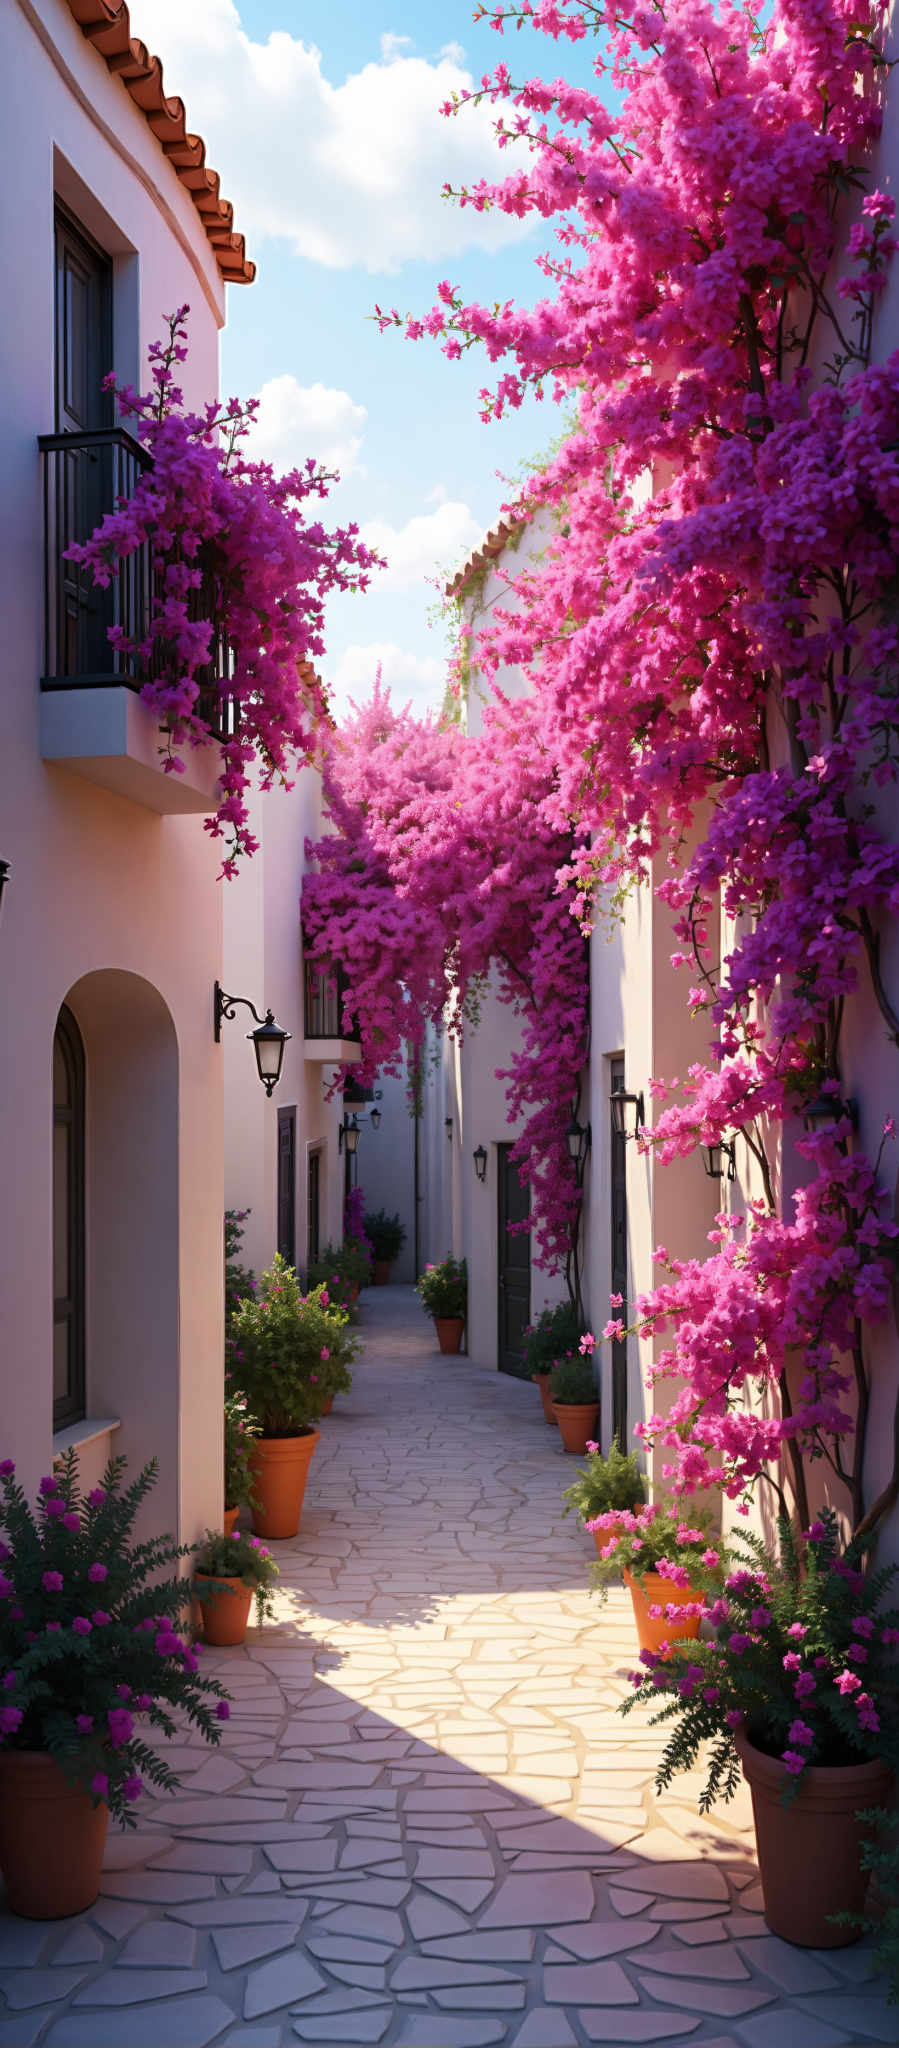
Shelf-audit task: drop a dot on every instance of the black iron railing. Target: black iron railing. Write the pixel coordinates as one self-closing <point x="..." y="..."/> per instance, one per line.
<point x="323" y="1003"/>
<point x="84" y="477"/>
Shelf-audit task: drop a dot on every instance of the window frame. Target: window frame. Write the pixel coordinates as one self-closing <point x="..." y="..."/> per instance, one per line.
<point x="71" y="1407"/>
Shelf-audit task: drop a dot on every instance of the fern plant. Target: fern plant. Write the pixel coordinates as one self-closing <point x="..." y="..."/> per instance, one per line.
<point x="90" y="1649"/>
<point x="605" y="1483"/>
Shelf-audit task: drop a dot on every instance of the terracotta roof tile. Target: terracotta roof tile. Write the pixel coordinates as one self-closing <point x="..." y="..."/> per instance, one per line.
<point x="106" y="24"/>
<point x="487" y="551"/>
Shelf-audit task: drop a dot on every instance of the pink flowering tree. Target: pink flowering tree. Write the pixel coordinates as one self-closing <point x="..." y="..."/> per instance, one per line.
<point x="241" y="566"/>
<point x="714" y="666"/>
<point x="443" y="864"/>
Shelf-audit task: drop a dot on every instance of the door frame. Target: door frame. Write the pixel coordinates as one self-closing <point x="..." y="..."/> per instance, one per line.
<point x="287" y="1121"/>
<point x="502" y="1151"/>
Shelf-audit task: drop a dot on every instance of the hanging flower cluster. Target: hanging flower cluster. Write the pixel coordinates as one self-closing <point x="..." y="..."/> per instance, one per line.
<point x="714" y="660"/>
<point x="443" y="866"/>
<point x="240" y="568"/>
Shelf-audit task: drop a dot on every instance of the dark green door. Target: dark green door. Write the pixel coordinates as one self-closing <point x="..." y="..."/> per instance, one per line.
<point x="514" y="1260"/>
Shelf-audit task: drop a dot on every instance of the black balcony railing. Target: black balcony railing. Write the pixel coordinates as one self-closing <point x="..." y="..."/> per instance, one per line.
<point x="323" y="1005"/>
<point x="85" y="476"/>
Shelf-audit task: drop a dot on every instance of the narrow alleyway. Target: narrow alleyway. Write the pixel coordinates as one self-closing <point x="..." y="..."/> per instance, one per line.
<point x="427" y="1824"/>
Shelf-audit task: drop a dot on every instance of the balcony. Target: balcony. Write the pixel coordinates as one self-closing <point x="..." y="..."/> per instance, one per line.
<point x="92" y="720"/>
<point x="325" y="1038"/>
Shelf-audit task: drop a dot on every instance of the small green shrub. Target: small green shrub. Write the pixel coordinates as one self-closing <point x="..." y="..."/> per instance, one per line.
<point x="604" y="1483"/>
<point x="386" y="1234"/>
<point x="239" y="1279"/>
<point x="238" y="1557"/>
<point x="288" y="1349"/>
<point x="554" y="1336"/>
<point x="572" y="1383"/>
<point x="444" y="1288"/>
<point x="240" y="1429"/>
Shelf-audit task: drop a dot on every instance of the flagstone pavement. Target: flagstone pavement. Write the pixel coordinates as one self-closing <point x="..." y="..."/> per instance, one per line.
<point x="427" y="1824"/>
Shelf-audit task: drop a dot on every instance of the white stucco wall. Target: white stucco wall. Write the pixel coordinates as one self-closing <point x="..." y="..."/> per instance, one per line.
<point x="109" y="906"/>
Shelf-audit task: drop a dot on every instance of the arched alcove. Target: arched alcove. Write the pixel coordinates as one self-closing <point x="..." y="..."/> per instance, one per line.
<point x="131" y="1217"/>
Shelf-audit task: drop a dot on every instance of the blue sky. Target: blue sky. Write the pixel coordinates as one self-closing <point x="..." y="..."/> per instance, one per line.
<point x="323" y="120"/>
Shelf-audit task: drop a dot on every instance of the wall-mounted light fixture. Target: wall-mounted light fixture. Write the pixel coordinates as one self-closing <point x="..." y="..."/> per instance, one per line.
<point x="479" y="1156"/>
<point x="620" y="1101"/>
<point x="348" y="1134"/>
<point x="4" y="876"/>
<point x="721" y="1160"/>
<point x="375" y="1119"/>
<point x="448" y="1127"/>
<point x="268" y="1039"/>
<point x="828" y="1109"/>
<point x="578" y="1138"/>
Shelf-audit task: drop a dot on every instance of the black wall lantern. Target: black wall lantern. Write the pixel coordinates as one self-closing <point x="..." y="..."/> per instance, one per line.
<point x="268" y="1039"/>
<point x="578" y="1138"/>
<point x="620" y="1101"/>
<point x="448" y="1127"/>
<point x="826" y="1110"/>
<point x="721" y="1160"/>
<point x="375" y="1119"/>
<point x="479" y="1156"/>
<point x="4" y="872"/>
<point x="348" y="1134"/>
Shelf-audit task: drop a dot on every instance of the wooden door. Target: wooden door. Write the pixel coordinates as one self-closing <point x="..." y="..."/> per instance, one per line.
<point x="619" y="1262"/>
<point x="287" y="1183"/>
<point x="313" y="1207"/>
<point x="514" y="1263"/>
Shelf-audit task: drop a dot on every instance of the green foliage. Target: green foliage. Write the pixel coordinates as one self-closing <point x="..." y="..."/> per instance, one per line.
<point x="642" y="1539"/>
<point x="554" y="1336"/>
<point x="240" y="1429"/>
<point x="572" y="1382"/>
<point x="386" y="1234"/>
<point x="89" y="1642"/>
<point x="880" y="1855"/>
<point x="444" y="1288"/>
<point x="238" y="1557"/>
<point x="340" y="1268"/>
<point x="784" y="1659"/>
<point x="291" y="1350"/>
<point x="603" y="1483"/>
<point x="239" y="1279"/>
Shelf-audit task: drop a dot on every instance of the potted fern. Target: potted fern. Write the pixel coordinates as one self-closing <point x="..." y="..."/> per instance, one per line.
<point x="554" y="1336"/>
<point x="387" y="1236"/>
<point x="93" y="1653"/>
<point x="603" y="1484"/>
<point x="444" y="1293"/>
<point x="799" y="1690"/>
<point x="229" y="1573"/>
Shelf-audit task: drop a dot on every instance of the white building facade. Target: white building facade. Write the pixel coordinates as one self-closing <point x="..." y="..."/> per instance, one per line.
<point x="111" y="1091"/>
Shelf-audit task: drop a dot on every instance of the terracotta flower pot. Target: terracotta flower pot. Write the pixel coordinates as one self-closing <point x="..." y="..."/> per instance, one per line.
<point x="541" y="1382"/>
<point x="229" y="1520"/>
<point x="382" y="1271"/>
<point x="577" y="1424"/>
<point x="52" y="1838"/>
<point x="354" y="1292"/>
<point x="225" y="1614"/>
<point x="328" y="1405"/>
<point x="810" y="1851"/>
<point x="280" y="1468"/>
<point x="654" y="1591"/>
<point x="449" y="1332"/>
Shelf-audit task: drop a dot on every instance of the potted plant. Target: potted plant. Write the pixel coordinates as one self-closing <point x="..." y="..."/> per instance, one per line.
<point x="239" y="1279"/>
<point x="799" y="1690"/>
<point x="554" y="1336"/>
<point x="240" y="1430"/>
<point x="387" y="1236"/>
<point x="282" y="1340"/>
<point x="230" y="1571"/>
<point x="602" y="1484"/>
<point x="444" y="1292"/>
<point x="667" y="1566"/>
<point x="575" y="1402"/>
<point x="89" y="1650"/>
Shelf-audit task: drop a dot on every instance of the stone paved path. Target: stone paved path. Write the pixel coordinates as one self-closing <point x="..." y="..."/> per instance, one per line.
<point x="427" y="1825"/>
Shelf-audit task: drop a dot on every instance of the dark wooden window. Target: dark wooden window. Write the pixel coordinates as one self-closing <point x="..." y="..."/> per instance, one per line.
<point x="619" y="1261"/>
<point x="514" y="1262"/>
<point x="313" y="1207"/>
<point x="83" y="481"/>
<point x="68" y="1222"/>
<point x="287" y="1184"/>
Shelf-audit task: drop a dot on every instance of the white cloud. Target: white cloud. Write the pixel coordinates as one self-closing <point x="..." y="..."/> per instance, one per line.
<point x="454" y="52"/>
<point x="299" y="420"/>
<point x="393" y="46"/>
<point x="432" y="540"/>
<point x="412" y="678"/>
<point x="347" y="174"/>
